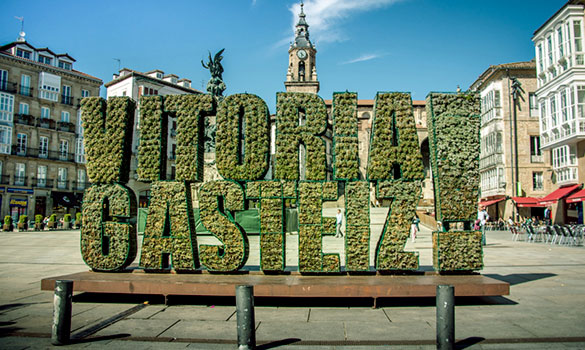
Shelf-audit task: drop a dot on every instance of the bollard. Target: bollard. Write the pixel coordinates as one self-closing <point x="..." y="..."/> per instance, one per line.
<point x="245" y="317"/>
<point x="445" y="317"/>
<point x="62" y="312"/>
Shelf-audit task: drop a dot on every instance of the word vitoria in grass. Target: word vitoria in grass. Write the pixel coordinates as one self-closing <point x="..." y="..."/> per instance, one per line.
<point x="297" y="173"/>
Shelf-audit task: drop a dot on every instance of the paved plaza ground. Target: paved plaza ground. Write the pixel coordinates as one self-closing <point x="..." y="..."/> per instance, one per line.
<point x="545" y="308"/>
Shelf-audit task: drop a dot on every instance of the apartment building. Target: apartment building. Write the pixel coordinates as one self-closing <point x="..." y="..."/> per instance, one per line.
<point x="42" y="159"/>
<point x="560" y="68"/>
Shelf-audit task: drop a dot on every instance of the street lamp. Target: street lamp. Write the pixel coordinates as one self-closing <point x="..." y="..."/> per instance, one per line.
<point x="516" y="91"/>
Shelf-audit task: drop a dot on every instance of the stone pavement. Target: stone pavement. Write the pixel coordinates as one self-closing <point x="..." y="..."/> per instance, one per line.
<point x="545" y="308"/>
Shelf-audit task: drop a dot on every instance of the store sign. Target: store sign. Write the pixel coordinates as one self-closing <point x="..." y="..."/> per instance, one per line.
<point x="18" y="202"/>
<point x="394" y="169"/>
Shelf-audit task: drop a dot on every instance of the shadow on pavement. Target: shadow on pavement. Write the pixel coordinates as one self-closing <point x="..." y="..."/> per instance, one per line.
<point x="101" y="338"/>
<point x="278" y="343"/>
<point x="467" y="342"/>
<point x="518" y="278"/>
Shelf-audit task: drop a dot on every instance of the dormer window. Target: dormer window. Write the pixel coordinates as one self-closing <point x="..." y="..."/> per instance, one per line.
<point x="159" y="75"/>
<point x="65" y="65"/>
<point x="23" y="53"/>
<point x="45" y="59"/>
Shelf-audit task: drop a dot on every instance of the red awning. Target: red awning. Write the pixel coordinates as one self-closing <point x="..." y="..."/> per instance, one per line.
<point x="491" y="201"/>
<point x="558" y="194"/>
<point x="578" y="196"/>
<point x="527" y="202"/>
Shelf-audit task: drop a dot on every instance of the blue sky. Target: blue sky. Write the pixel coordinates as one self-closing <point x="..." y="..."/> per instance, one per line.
<point x="363" y="45"/>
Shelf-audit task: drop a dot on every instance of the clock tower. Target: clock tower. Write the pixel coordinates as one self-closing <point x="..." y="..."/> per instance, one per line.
<point x="302" y="71"/>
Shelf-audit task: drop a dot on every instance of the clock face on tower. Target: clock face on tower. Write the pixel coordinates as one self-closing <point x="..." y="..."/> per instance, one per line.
<point x="302" y="54"/>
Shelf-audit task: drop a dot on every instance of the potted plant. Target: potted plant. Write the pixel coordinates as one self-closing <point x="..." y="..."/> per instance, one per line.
<point x="52" y="222"/>
<point x="78" y="220"/>
<point x="7" y="223"/>
<point x="38" y="222"/>
<point x="23" y="223"/>
<point x="66" y="221"/>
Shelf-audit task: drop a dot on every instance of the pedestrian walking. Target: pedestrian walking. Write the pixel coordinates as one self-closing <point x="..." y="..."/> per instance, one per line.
<point x="339" y="221"/>
<point x="483" y="217"/>
<point x="414" y="228"/>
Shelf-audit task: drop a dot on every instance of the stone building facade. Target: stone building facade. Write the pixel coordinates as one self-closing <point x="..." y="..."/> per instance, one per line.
<point x="42" y="159"/>
<point x="506" y="172"/>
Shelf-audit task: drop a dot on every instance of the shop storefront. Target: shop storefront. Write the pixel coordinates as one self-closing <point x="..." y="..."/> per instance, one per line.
<point x="18" y="202"/>
<point x="563" y="212"/>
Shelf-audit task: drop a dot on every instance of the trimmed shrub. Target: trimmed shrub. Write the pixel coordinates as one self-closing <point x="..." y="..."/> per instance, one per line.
<point x="312" y="227"/>
<point x="357" y="226"/>
<point x="457" y="251"/>
<point x="291" y="107"/>
<point x="345" y="131"/>
<point x="108" y="138"/>
<point x="390" y="254"/>
<point x="170" y="229"/>
<point x="394" y="151"/>
<point x="217" y="201"/>
<point x="190" y="111"/>
<point x="108" y="238"/>
<point x="242" y="137"/>
<point x="152" y="150"/>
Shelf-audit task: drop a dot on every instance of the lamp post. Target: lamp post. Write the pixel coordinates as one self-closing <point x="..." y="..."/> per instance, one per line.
<point x="516" y="91"/>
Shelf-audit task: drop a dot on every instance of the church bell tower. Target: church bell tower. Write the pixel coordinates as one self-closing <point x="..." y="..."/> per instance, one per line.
<point x="302" y="72"/>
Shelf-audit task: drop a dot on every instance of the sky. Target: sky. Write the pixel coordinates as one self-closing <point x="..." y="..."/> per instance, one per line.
<point x="364" y="46"/>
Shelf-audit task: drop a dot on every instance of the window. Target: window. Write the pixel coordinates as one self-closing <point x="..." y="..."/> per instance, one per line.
<point x="6" y="107"/>
<point x="580" y="102"/>
<point x="20" y="174"/>
<point x="560" y="42"/>
<point x="553" y="111"/>
<point x="543" y="116"/>
<point x="84" y="93"/>
<point x="80" y="179"/>
<point x="49" y="86"/>
<point x="535" y="152"/>
<point x="23" y="108"/>
<point x="149" y="91"/>
<point x="578" y="42"/>
<point x="45" y="59"/>
<point x="25" y="88"/>
<point x="65" y="117"/>
<point x="80" y="152"/>
<point x="66" y="95"/>
<point x="5" y="139"/>
<point x="65" y="65"/>
<point x="21" y="141"/>
<point x="42" y="175"/>
<point x="540" y="59"/>
<point x="62" y="178"/>
<point x="537" y="181"/>
<point x="564" y="112"/>
<point x="45" y="113"/>
<point x="550" y="50"/>
<point x="43" y="147"/>
<point x="49" y="93"/>
<point x="63" y="149"/>
<point x="533" y="104"/>
<point x="79" y="125"/>
<point x="3" y="80"/>
<point x="23" y="53"/>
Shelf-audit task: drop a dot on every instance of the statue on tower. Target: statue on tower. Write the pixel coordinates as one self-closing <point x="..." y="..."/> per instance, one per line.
<point x="215" y="86"/>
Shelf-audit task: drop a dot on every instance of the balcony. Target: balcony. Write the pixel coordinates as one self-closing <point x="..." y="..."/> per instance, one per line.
<point x="536" y="158"/>
<point x="566" y="175"/>
<point x="46" y="123"/>
<point x="491" y="160"/>
<point x="24" y="119"/>
<point x="80" y="186"/>
<point x="67" y="100"/>
<point x="5" y="179"/>
<point x="6" y="86"/>
<point x="42" y="154"/>
<point x="62" y="184"/>
<point x="25" y="90"/>
<point x="42" y="182"/>
<point x="567" y="132"/>
<point x="19" y="180"/>
<point x="66" y="126"/>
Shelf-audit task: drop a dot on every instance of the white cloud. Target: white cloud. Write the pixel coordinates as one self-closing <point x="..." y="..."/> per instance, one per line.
<point x="325" y="16"/>
<point x="362" y="58"/>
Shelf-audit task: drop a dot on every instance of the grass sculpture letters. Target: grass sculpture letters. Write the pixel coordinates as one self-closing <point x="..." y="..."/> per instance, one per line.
<point x="395" y="169"/>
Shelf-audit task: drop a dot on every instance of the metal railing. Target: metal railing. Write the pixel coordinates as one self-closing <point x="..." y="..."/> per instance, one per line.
<point x="42" y="182"/>
<point x="42" y="153"/>
<point x="7" y="86"/>
<point x="25" y="90"/>
<point x="67" y="100"/>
